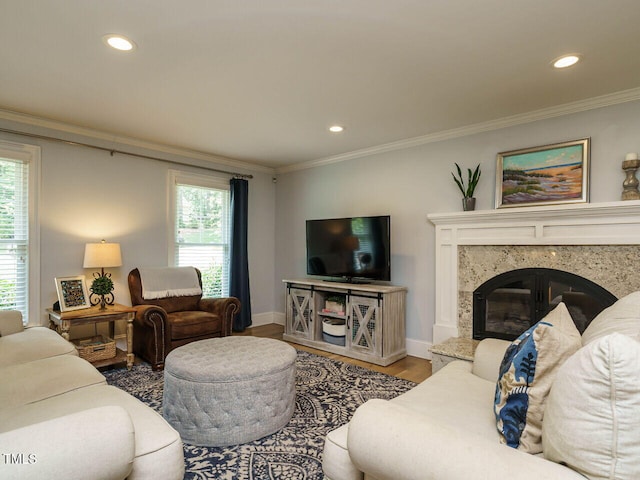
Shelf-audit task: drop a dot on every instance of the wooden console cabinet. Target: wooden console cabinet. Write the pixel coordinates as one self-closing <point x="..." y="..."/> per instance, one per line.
<point x="373" y="317"/>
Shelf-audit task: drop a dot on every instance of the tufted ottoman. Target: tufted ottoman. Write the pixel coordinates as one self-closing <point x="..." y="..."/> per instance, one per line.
<point x="230" y="390"/>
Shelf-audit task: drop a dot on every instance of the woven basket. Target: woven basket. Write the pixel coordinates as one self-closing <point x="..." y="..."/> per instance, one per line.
<point x="96" y="348"/>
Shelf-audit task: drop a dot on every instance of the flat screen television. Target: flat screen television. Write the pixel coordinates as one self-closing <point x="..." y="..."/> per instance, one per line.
<point x="351" y="248"/>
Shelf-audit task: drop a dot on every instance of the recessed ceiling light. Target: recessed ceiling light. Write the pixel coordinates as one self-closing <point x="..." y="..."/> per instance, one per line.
<point x="336" y="129"/>
<point x="566" y="60"/>
<point x="119" y="42"/>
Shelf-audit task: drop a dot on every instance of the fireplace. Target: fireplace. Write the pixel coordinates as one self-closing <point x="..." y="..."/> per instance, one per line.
<point x="600" y="242"/>
<point x="509" y="303"/>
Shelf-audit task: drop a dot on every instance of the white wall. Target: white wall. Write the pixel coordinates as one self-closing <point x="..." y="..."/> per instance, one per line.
<point x="408" y="184"/>
<point x="88" y="195"/>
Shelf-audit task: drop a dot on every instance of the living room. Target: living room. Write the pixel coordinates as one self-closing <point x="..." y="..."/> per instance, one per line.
<point x="90" y="186"/>
<point x="86" y="194"/>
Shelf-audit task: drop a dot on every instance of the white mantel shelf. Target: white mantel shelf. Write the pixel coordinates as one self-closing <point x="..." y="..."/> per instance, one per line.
<point x="612" y="223"/>
<point x="627" y="208"/>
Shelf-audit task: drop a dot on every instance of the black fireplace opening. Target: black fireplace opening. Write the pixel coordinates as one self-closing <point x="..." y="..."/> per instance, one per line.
<point x="508" y="304"/>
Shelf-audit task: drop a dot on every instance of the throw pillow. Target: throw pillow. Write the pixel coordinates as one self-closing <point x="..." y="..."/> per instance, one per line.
<point x="526" y="374"/>
<point x="622" y="317"/>
<point x="591" y="421"/>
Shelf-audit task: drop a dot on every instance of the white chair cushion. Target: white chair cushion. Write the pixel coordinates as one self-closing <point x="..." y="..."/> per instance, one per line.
<point x="526" y="375"/>
<point x="591" y="418"/>
<point x="622" y="317"/>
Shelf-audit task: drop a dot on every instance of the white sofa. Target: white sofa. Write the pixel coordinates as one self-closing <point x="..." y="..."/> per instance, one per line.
<point x="445" y="427"/>
<point x="60" y="420"/>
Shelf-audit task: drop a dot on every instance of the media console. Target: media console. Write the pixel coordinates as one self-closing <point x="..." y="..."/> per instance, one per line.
<point x="372" y="318"/>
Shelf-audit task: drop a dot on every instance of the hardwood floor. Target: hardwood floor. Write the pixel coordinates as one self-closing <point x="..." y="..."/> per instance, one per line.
<point x="409" y="368"/>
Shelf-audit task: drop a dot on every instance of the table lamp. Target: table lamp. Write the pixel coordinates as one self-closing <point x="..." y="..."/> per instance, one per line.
<point x="102" y="255"/>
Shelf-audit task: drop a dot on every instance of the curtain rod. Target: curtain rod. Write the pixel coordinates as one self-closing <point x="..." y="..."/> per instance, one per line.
<point x="113" y="151"/>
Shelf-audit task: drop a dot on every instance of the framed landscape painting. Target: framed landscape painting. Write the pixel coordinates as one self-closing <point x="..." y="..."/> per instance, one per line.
<point x="550" y="174"/>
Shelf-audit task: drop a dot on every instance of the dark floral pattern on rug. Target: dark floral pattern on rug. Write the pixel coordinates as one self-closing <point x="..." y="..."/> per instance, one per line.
<point x="327" y="394"/>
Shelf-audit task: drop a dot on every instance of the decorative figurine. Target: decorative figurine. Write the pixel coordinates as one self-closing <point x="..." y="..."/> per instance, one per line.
<point x="630" y="165"/>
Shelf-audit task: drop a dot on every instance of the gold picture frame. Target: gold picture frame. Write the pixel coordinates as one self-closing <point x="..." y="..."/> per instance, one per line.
<point x="545" y="175"/>
<point x="72" y="293"/>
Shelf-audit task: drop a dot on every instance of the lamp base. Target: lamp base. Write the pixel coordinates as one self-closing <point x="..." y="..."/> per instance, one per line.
<point x="102" y="300"/>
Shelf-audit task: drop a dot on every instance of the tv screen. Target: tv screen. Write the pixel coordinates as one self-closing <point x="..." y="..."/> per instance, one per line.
<point x="350" y="248"/>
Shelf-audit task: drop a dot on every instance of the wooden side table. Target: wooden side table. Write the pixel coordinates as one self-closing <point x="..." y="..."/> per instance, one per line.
<point x="63" y="321"/>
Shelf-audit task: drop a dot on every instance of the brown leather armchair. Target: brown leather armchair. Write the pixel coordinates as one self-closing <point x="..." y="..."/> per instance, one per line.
<point x="163" y="324"/>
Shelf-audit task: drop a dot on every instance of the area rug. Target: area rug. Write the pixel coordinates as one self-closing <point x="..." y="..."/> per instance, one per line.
<point x="327" y="394"/>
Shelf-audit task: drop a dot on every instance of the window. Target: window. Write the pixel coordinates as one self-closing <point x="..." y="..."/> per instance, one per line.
<point x="200" y="229"/>
<point x="19" y="268"/>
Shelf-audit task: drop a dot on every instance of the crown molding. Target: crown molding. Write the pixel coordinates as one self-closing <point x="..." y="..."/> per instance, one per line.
<point x="59" y="126"/>
<point x="534" y="116"/>
<point x="543" y="114"/>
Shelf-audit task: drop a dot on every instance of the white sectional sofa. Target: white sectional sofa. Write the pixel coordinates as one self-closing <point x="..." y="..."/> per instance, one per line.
<point x="445" y="427"/>
<point x="60" y="420"/>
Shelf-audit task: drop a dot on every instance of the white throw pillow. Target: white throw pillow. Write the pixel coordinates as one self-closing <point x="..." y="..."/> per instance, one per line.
<point x="526" y="375"/>
<point x="622" y="317"/>
<point x="592" y="416"/>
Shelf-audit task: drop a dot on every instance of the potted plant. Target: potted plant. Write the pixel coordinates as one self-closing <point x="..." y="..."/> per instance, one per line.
<point x="102" y="286"/>
<point x="468" y="200"/>
<point x="335" y="304"/>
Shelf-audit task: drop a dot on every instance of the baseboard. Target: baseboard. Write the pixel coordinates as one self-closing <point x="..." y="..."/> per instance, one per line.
<point x="419" y="348"/>
<point x="266" y="318"/>
<point x="279" y="318"/>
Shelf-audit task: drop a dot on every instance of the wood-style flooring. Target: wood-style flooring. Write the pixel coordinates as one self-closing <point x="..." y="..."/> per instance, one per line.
<point x="409" y="368"/>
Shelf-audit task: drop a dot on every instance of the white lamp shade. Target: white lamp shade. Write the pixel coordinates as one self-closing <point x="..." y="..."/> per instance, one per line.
<point x="102" y="255"/>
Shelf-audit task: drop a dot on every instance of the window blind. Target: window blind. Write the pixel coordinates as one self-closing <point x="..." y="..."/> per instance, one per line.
<point x="202" y="234"/>
<point x="14" y="235"/>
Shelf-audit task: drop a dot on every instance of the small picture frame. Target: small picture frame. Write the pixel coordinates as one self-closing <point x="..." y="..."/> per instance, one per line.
<point x="72" y="293"/>
<point x="550" y="174"/>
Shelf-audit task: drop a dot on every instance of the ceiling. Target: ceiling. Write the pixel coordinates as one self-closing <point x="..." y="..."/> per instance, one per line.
<point x="261" y="81"/>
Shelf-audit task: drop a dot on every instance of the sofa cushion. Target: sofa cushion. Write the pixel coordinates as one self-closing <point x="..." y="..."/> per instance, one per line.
<point x="622" y="317"/>
<point x="591" y="419"/>
<point x="526" y="374"/>
<point x="34" y="381"/>
<point x="10" y="322"/>
<point x="98" y="443"/>
<point x="158" y="448"/>
<point x="455" y="397"/>
<point x="488" y="357"/>
<point x="336" y="462"/>
<point x="33" y="344"/>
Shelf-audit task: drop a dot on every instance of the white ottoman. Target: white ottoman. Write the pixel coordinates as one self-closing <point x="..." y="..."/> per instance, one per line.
<point x="230" y="390"/>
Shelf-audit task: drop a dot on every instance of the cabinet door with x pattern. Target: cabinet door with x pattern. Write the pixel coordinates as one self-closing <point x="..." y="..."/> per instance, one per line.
<point x="300" y="313"/>
<point x="365" y="324"/>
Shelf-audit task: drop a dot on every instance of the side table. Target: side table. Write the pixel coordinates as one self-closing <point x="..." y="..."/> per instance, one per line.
<point x="63" y="321"/>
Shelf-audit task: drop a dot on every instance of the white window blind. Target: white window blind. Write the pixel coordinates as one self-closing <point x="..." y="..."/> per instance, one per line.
<point x="14" y="235"/>
<point x="201" y="230"/>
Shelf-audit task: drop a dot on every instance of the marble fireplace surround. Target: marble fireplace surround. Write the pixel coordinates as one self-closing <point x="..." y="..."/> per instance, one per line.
<point x="599" y="241"/>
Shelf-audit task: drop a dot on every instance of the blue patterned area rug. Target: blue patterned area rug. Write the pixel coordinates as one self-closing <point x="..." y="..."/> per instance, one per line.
<point x="327" y="394"/>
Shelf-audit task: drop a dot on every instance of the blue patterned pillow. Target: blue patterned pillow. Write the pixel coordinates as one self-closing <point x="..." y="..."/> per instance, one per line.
<point x="526" y="374"/>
